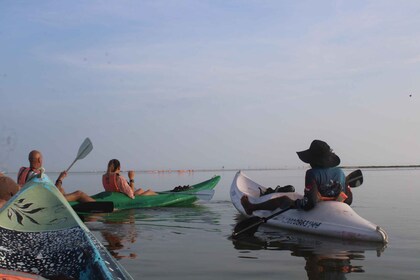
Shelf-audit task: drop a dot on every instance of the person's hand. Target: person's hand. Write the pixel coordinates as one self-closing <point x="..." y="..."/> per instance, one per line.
<point x="62" y="176"/>
<point x="131" y="174"/>
<point x="296" y="204"/>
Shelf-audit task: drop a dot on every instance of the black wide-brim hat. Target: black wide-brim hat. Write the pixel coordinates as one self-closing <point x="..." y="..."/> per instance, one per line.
<point x="319" y="154"/>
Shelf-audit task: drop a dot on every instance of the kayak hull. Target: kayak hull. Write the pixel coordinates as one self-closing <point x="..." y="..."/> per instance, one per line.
<point x="164" y="199"/>
<point x="329" y="218"/>
<point x="41" y="234"/>
<point x="16" y="275"/>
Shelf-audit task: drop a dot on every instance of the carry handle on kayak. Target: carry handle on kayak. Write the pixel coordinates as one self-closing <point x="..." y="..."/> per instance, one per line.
<point x="250" y="225"/>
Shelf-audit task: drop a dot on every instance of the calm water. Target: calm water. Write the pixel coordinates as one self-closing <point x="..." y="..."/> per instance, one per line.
<point x="193" y="242"/>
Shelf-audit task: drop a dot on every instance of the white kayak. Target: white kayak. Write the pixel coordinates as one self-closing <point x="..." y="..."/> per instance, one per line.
<point x="329" y="218"/>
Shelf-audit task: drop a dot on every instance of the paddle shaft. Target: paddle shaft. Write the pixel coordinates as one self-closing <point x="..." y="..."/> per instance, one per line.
<point x="261" y="221"/>
<point x="67" y="170"/>
<point x="94" y="207"/>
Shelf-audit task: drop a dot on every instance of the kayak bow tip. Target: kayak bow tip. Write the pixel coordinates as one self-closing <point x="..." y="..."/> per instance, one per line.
<point x="383" y="234"/>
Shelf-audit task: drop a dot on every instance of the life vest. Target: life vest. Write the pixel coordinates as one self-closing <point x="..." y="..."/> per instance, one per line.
<point x="23" y="174"/>
<point x="341" y="197"/>
<point x="333" y="193"/>
<point x="110" y="183"/>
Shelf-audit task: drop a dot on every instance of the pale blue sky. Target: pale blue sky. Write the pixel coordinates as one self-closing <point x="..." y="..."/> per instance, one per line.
<point x="206" y="84"/>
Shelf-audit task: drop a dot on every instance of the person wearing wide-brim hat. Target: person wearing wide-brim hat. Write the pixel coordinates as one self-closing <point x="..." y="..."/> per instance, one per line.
<point x="324" y="181"/>
<point x="319" y="155"/>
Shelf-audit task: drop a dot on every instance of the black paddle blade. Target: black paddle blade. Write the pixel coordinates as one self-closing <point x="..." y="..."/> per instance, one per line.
<point x="248" y="226"/>
<point x="354" y="179"/>
<point x="94" y="207"/>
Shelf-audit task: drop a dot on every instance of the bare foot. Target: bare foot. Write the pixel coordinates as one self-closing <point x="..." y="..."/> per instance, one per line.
<point x="248" y="206"/>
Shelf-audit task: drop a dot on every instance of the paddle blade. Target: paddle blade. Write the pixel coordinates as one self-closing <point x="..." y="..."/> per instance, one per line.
<point x="354" y="179"/>
<point x="248" y="226"/>
<point x="94" y="207"/>
<point x="205" y="195"/>
<point x="84" y="149"/>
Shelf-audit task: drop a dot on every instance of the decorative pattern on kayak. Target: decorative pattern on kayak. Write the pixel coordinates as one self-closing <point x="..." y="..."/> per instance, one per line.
<point x="21" y="210"/>
<point x="300" y="222"/>
<point x="65" y="253"/>
<point x="42" y="235"/>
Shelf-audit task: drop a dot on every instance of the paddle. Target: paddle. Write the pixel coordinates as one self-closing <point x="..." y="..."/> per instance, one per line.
<point x="250" y="225"/>
<point x="94" y="207"/>
<point x="205" y="195"/>
<point x="84" y="150"/>
<point x="354" y="179"/>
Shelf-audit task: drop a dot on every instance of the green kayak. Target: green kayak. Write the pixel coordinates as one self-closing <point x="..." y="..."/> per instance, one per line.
<point x="203" y="190"/>
<point x="42" y="235"/>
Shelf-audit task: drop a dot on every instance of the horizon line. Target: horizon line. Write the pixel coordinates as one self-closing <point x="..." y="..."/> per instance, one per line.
<point x="247" y="169"/>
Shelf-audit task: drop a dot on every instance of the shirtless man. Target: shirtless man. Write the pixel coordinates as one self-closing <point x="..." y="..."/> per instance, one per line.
<point x="35" y="163"/>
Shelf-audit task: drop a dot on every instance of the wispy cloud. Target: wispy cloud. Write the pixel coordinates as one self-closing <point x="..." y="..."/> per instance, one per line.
<point x="279" y="67"/>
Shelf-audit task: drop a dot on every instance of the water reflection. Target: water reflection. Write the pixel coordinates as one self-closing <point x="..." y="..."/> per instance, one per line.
<point x="118" y="229"/>
<point x="325" y="258"/>
<point x="124" y="231"/>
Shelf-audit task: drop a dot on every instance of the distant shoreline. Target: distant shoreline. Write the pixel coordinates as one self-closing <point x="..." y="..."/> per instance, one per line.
<point x="187" y="171"/>
<point x="383" y="166"/>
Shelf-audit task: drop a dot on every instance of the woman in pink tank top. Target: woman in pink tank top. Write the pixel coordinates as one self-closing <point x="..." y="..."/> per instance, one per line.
<point x="112" y="180"/>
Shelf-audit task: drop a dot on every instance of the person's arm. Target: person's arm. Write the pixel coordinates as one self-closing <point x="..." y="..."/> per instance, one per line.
<point x="125" y="187"/>
<point x="311" y="196"/>
<point x="311" y="193"/>
<point x="59" y="182"/>
<point x="131" y="175"/>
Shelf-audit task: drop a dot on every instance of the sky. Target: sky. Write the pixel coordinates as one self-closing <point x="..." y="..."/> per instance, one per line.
<point x="206" y="84"/>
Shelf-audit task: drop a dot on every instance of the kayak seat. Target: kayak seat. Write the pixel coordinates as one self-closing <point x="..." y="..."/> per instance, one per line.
<point x="278" y="189"/>
<point x="182" y="188"/>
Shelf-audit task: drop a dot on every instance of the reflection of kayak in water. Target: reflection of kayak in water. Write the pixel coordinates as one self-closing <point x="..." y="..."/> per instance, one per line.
<point x="41" y="234"/>
<point x="329" y="218"/>
<point x="116" y="244"/>
<point x="325" y="258"/>
<point x="301" y="242"/>
<point x="118" y="230"/>
<point x="124" y="233"/>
